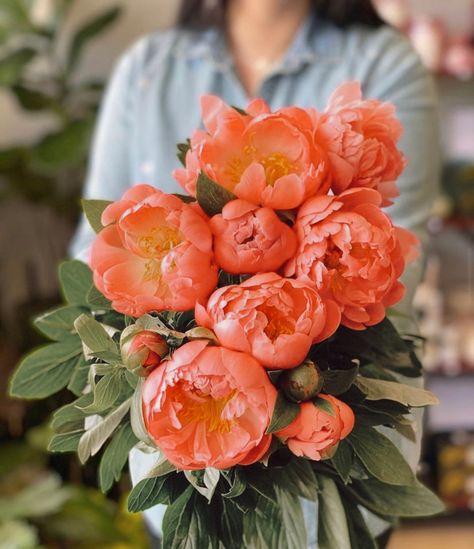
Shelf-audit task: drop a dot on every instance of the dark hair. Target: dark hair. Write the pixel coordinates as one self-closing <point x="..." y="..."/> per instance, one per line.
<point x="197" y="13"/>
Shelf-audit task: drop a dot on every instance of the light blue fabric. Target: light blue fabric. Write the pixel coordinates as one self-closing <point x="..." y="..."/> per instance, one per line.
<point x="152" y="103"/>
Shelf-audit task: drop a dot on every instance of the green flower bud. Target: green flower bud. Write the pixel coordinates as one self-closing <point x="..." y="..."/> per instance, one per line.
<point x="303" y="382"/>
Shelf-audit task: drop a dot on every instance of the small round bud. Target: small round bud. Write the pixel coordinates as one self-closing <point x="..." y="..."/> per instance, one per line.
<point x="142" y="351"/>
<point x="303" y="382"/>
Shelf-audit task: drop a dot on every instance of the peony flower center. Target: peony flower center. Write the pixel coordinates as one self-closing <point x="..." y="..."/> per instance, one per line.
<point x="202" y="408"/>
<point x="152" y="270"/>
<point x="276" y="165"/>
<point x="156" y="245"/>
<point x="160" y="240"/>
<point x="333" y="258"/>
<point x="277" y="324"/>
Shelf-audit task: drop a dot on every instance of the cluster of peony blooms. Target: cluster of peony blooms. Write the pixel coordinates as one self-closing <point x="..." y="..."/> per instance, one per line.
<point x="302" y="231"/>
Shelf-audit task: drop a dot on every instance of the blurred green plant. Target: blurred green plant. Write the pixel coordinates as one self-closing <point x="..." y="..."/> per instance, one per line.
<point x="38" y="510"/>
<point x="41" y="72"/>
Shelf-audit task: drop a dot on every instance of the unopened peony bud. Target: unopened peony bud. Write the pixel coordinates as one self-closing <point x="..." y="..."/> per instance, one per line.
<point x="303" y="382"/>
<point x="143" y="351"/>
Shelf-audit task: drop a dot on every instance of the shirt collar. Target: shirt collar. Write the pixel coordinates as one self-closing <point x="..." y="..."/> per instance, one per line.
<point x="211" y="45"/>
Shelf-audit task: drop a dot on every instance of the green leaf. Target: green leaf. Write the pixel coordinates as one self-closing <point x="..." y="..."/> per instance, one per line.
<point x="211" y="196"/>
<point x="185" y="198"/>
<point x="399" y="501"/>
<point x="337" y="382"/>
<point x="205" y="481"/>
<point x="277" y="523"/>
<point x="136" y="416"/>
<point x="406" y="431"/>
<point x="380" y="456"/>
<point x="80" y="376"/>
<point x="70" y="417"/>
<point x="342" y="460"/>
<point x="378" y="389"/>
<point x="380" y="344"/>
<point x="299" y="478"/>
<point x="65" y="442"/>
<point x="94" y="438"/>
<point x="236" y="482"/>
<point x="239" y="110"/>
<point x="333" y="530"/>
<point x="40" y="497"/>
<point x="360" y="535"/>
<point x="115" y="457"/>
<point x="152" y="491"/>
<point x="98" y="301"/>
<point x="87" y="32"/>
<point x="32" y="100"/>
<point x="58" y="323"/>
<point x="76" y="281"/>
<point x="230" y="523"/>
<point x="12" y="65"/>
<point x="188" y="523"/>
<point x="183" y="148"/>
<point x="46" y="370"/>
<point x="262" y="483"/>
<point x="64" y="149"/>
<point x="161" y="468"/>
<point x="106" y="392"/>
<point x="94" y="336"/>
<point x="324" y="405"/>
<point x="284" y="413"/>
<point x="93" y="210"/>
<point x="16" y="13"/>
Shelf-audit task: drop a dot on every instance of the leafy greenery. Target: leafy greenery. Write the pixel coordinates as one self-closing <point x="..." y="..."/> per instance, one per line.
<point x="284" y="413"/>
<point x="259" y="504"/>
<point x="211" y="196"/>
<point x="93" y="210"/>
<point x="39" y="170"/>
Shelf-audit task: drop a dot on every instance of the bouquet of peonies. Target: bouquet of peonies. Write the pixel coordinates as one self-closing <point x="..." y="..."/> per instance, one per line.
<point x="239" y="332"/>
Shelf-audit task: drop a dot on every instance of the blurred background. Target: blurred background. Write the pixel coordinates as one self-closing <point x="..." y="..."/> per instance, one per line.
<point x="55" y="56"/>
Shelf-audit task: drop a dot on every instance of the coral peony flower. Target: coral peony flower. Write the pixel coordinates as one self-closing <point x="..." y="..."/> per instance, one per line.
<point x="142" y="350"/>
<point x="314" y="431"/>
<point x="266" y="158"/>
<point x="154" y="254"/>
<point x="249" y="239"/>
<point x="274" y="319"/>
<point x="209" y="407"/>
<point x="360" y="137"/>
<point x="353" y="254"/>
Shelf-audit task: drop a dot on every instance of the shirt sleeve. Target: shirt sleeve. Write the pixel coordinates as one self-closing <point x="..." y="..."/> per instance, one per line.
<point x="109" y="172"/>
<point x="397" y="75"/>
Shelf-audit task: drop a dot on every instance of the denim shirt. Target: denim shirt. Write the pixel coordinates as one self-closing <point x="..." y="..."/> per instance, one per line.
<point x="152" y="103"/>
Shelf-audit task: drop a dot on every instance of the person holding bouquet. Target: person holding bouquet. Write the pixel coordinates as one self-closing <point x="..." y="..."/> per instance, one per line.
<point x="287" y="53"/>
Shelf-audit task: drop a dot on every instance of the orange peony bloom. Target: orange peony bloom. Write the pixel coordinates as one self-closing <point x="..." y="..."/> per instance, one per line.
<point x="249" y="239"/>
<point x="360" y="137"/>
<point x="353" y="254"/>
<point x="315" y="431"/>
<point x="268" y="159"/>
<point x="154" y="254"/>
<point x="274" y="319"/>
<point x="209" y="407"/>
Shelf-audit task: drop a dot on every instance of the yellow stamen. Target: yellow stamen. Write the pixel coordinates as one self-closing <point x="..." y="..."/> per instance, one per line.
<point x="208" y="410"/>
<point x="276" y="165"/>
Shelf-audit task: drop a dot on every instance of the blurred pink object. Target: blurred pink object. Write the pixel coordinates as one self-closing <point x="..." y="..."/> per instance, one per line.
<point x="459" y="58"/>
<point x="395" y="12"/>
<point x="428" y="36"/>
